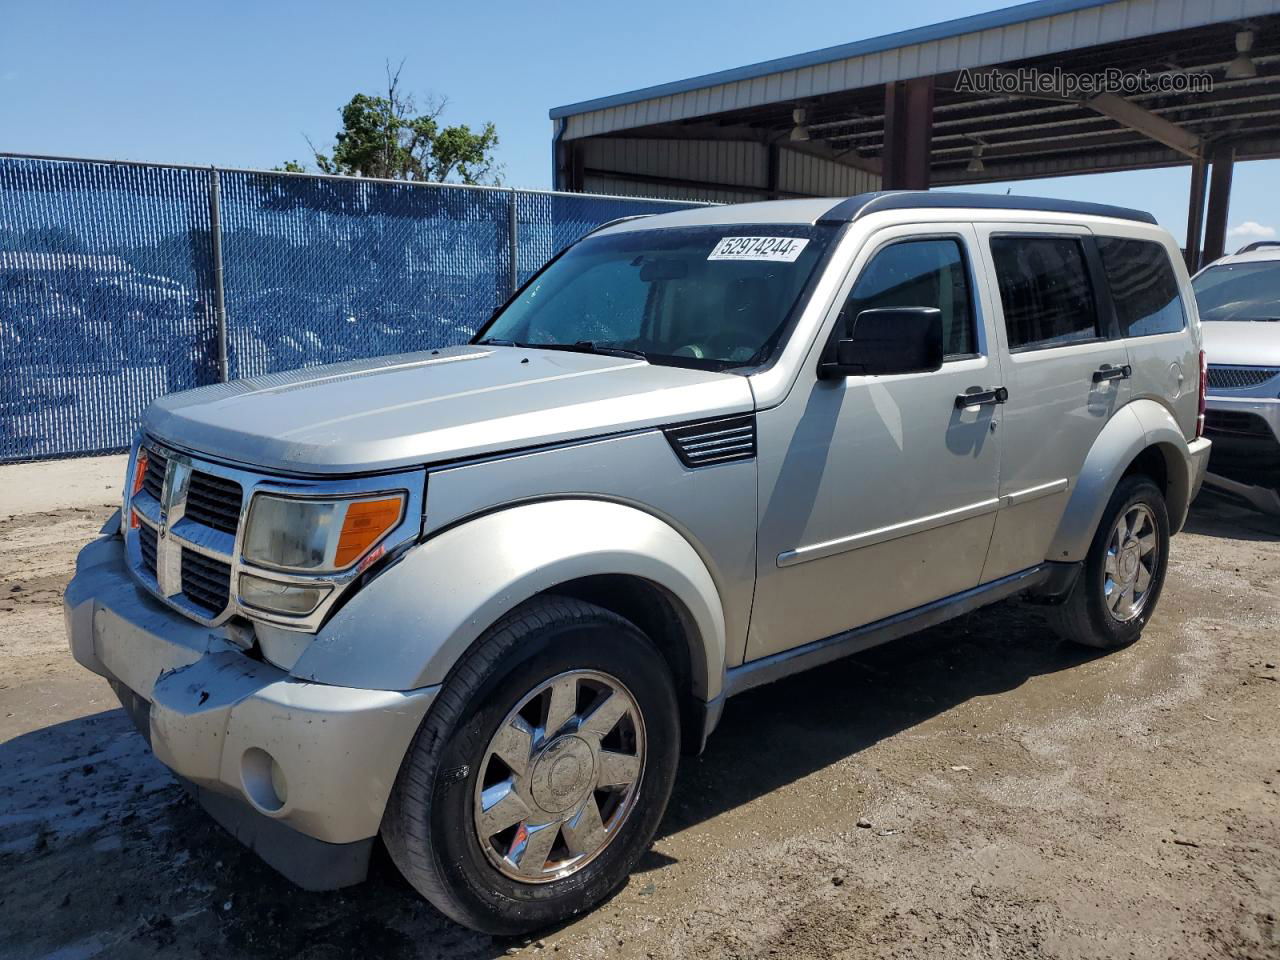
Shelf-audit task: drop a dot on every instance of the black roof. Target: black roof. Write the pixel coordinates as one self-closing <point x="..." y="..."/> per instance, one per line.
<point x="863" y="204"/>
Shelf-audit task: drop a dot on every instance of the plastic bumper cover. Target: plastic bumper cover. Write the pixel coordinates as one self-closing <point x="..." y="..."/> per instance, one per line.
<point x="1199" y="450"/>
<point x="299" y="771"/>
<point x="1246" y="437"/>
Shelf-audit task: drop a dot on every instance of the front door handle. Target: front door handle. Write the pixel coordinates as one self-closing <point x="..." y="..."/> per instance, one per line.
<point x="1109" y="372"/>
<point x="982" y="398"/>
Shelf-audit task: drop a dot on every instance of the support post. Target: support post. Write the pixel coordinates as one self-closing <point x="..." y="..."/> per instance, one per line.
<point x="908" y="133"/>
<point x="513" y="243"/>
<point x="1215" y="224"/>
<point x="774" y="160"/>
<point x="577" y="167"/>
<point x="219" y="289"/>
<point x="1195" y="212"/>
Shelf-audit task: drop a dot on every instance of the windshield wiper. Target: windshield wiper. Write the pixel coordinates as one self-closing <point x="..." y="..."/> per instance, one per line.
<point x="582" y="346"/>
<point x="588" y="346"/>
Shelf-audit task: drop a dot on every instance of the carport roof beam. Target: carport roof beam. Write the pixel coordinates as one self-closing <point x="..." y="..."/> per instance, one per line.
<point x="1144" y="121"/>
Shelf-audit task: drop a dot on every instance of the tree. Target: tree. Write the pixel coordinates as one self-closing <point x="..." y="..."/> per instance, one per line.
<point x="386" y="136"/>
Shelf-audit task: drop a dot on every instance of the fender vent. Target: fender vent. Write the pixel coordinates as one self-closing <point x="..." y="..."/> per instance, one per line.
<point x="714" y="441"/>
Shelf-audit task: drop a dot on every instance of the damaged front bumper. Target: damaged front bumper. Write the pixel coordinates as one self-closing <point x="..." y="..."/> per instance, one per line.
<point x="299" y="771"/>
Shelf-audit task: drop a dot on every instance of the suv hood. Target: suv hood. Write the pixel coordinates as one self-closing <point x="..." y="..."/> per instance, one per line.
<point x="1245" y="343"/>
<point x="407" y="410"/>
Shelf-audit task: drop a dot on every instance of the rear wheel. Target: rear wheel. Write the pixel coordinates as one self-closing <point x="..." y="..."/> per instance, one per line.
<point x="1120" y="584"/>
<point x="541" y="772"/>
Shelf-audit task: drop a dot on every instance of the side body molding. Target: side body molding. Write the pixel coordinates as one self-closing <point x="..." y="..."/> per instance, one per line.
<point x="428" y="609"/>
<point x="1131" y="430"/>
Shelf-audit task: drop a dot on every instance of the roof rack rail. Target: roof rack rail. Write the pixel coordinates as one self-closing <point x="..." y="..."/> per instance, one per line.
<point x="1258" y="245"/>
<point x="864" y="204"/>
<point x="615" y="221"/>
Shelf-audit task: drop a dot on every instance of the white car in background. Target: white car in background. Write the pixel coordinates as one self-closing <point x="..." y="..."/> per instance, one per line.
<point x="1239" y="301"/>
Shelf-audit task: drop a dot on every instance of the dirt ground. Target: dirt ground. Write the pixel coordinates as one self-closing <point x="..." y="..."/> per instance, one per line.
<point x="1025" y="799"/>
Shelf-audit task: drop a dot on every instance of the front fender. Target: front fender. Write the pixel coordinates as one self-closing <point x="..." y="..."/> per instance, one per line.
<point x="408" y="627"/>
<point x="1134" y="428"/>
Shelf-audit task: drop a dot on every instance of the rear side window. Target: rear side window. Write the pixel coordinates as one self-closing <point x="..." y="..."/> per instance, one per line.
<point x="1143" y="286"/>
<point x="1045" y="290"/>
<point x="919" y="273"/>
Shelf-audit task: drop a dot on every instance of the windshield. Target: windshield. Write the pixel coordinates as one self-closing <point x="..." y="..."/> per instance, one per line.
<point x="715" y="296"/>
<point x="1239" y="291"/>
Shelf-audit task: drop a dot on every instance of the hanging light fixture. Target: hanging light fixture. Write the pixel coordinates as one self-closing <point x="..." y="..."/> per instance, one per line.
<point x="801" y="129"/>
<point x="975" y="162"/>
<point x="1242" y="67"/>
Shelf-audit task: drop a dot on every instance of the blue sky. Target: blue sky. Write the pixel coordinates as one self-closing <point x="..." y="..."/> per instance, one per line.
<point x="239" y="84"/>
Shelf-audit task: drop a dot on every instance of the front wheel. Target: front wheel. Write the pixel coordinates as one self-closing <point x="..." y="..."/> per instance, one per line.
<point x="541" y="772"/>
<point x="1118" y="589"/>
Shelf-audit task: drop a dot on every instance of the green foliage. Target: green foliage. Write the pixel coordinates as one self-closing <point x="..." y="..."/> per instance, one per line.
<point x="290" y="166"/>
<point x="387" y="137"/>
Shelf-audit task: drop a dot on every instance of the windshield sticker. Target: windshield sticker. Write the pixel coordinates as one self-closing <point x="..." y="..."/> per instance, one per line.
<point x="777" y="249"/>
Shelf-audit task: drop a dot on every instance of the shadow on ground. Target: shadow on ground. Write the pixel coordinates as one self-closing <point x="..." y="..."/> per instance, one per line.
<point x="1221" y="515"/>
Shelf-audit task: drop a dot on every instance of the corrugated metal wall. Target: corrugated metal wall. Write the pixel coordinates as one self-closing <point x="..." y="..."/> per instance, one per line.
<point x="800" y="173"/>
<point x="1108" y="23"/>
<point x="726" y="164"/>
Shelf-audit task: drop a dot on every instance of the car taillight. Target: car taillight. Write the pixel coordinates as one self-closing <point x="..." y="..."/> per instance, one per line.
<point x="1204" y="394"/>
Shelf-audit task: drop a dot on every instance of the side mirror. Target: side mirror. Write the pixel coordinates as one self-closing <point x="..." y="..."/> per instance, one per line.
<point x="889" y="340"/>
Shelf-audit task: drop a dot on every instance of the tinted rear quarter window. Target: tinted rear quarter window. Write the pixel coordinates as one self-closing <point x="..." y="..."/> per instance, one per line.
<point x="1045" y="290"/>
<point x="1143" y="286"/>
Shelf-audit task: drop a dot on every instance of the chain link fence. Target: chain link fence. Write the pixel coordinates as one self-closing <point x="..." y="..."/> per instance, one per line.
<point x="120" y="282"/>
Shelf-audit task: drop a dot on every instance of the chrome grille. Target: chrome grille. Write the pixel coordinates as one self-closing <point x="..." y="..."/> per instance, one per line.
<point x="153" y="479"/>
<point x="714" y="441"/>
<point x="184" y="544"/>
<point x="147" y="544"/>
<point x="206" y="582"/>
<point x="214" y="501"/>
<point x="1239" y="378"/>
<point x="182" y="535"/>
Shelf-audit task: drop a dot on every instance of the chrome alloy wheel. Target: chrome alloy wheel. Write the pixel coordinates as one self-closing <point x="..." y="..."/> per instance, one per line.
<point x="560" y="776"/>
<point x="1133" y="551"/>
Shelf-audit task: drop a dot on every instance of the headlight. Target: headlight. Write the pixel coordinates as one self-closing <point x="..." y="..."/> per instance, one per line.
<point x="317" y="536"/>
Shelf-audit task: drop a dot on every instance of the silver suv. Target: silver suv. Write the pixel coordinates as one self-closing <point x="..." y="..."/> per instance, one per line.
<point x="1239" y="300"/>
<point x="477" y="601"/>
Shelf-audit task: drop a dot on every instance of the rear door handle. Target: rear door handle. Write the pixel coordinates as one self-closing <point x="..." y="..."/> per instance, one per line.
<point x="1112" y="373"/>
<point x="982" y="398"/>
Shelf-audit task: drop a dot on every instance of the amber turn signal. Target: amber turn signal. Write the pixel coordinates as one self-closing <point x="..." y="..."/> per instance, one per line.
<point x="364" y="525"/>
<point x="139" y="471"/>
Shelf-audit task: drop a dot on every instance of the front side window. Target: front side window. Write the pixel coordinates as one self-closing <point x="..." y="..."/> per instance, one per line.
<point x="1239" y="291"/>
<point x="1143" y="286"/>
<point x="1045" y="290"/>
<point x="918" y="273"/>
<point x="709" y="296"/>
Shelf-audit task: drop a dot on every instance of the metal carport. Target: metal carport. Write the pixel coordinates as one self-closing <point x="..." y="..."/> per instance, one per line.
<point x="908" y="110"/>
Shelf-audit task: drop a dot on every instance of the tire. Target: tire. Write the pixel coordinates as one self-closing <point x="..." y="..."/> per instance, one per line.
<point x="1086" y="616"/>
<point x="431" y="824"/>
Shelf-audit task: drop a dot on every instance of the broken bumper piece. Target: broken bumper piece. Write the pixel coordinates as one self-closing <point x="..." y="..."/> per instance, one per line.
<point x="298" y="771"/>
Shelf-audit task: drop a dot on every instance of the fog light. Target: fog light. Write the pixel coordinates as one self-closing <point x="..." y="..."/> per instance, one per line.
<point x="276" y="597"/>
